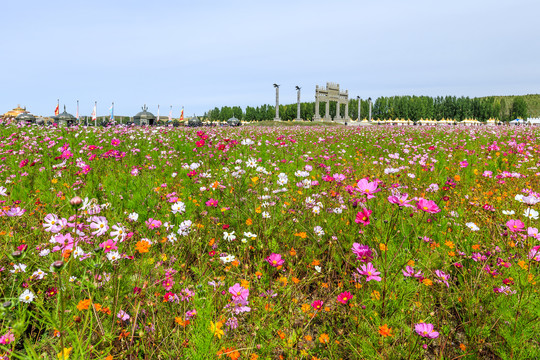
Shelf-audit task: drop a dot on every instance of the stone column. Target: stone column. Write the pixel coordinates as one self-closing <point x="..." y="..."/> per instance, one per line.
<point x="277" y="103"/>
<point x="317" y="116"/>
<point x="347" y="110"/>
<point x="327" y="112"/>
<point x="359" y="109"/>
<point x="369" y="110"/>
<point x="338" y="108"/>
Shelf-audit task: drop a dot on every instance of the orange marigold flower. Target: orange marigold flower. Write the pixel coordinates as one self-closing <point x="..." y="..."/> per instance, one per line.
<point x="462" y="347"/>
<point x="457" y="177"/>
<point x="142" y="246"/>
<point x="249" y="222"/>
<point x="385" y="330"/>
<point x="84" y="304"/>
<point x="292" y="252"/>
<point x="324" y="338"/>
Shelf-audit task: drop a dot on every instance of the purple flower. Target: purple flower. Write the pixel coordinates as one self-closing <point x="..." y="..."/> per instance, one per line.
<point x="426" y="330"/>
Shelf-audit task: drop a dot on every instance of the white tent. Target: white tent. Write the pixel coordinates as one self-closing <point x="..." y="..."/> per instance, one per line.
<point x="533" y="121"/>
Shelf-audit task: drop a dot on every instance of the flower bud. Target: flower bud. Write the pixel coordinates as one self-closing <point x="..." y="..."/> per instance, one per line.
<point x="76" y="201"/>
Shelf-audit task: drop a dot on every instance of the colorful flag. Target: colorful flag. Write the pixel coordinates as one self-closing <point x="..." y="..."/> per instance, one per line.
<point x="157" y="119"/>
<point x="170" y="114"/>
<point x="77" y="110"/>
<point x="112" y="112"/>
<point x="57" y="110"/>
<point x="182" y="114"/>
<point x="94" y="116"/>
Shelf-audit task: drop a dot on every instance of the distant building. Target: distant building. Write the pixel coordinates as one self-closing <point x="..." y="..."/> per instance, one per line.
<point x="15" y="112"/>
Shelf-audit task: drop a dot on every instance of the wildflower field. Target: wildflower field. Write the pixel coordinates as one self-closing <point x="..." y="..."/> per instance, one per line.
<point x="269" y="243"/>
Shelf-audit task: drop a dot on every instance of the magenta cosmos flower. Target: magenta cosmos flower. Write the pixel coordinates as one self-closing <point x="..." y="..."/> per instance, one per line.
<point x="367" y="188"/>
<point x="108" y="245"/>
<point x="317" y="305"/>
<point x="370" y="272"/>
<point x="363" y="217"/>
<point x="275" y="260"/>
<point x="212" y="202"/>
<point x="362" y="252"/>
<point x="344" y="297"/>
<point x="426" y="330"/>
<point x="515" y="225"/>
<point x="115" y="142"/>
<point x="428" y="206"/>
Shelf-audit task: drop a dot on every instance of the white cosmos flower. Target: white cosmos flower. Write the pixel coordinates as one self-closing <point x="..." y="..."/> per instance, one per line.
<point x="39" y="274"/>
<point x="172" y="237"/>
<point x="508" y="212"/>
<point x="19" y="268"/>
<point x="113" y="256"/>
<point x="472" y="226"/>
<point x="318" y="268"/>
<point x="118" y="233"/>
<point x="133" y="216"/>
<point x="266" y="215"/>
<point x="27" y="297"/>
<point x="227" y="259"/>
<point x="229" y="236"/>
<point x="250" y="235"/>
<point x="531" y="214"/>
<point x="44" y="252"/>
<point x="519" y="197"/>
<point x="3" y="191"/>
<point x="178" y="207"/>
<point x="251" y="163"/>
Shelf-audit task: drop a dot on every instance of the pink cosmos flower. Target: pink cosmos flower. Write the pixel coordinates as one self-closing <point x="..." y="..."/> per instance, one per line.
<point x="367" y="188"/>
<point x="7" y="338"/>
<point x="153" y="223"/>
<point x="239" y="293"/>
<point x="400" y="200"/>
<point x="212" y="202"/>
<point x="369" y="271"/>
<point x="426" y="330"/>
<point x="108" y="245"/>
<point x="363" y="252"/>
<point x="275" y="260"/>
<point x="122" y="315"/>
<point x="115" y="142"/>
<point x="443" y="277"/>
<point x="428" y="206"/>
<point x="317" y="305"/>
<point x="463" y="164"/>
<point x="534" y="253"/>
<point x="409" y="271"/>
<point x="168" y="284"/>
<point x="515" y="225"/>
<point x="533" y="232"/>
<point x="344" y="297"/>
<point x="65" y="242"/>
<point x="362" y="217"/>
<point x="339" y="177"/>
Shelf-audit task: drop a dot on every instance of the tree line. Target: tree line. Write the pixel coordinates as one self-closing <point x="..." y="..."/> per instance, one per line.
<point x="395" y="107"/>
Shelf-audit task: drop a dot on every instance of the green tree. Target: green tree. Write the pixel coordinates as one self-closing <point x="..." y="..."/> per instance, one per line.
<point x="519" y="108"/>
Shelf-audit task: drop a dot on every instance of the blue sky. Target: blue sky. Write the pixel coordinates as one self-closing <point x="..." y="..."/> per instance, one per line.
<point x="201" y="54"/>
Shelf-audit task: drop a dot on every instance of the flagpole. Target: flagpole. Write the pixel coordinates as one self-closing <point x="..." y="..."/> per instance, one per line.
<point x="112" y="112"/>
<point x="157" y="114"/>
<point x="95" y="108"/>
<point x="77" y="111"/>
